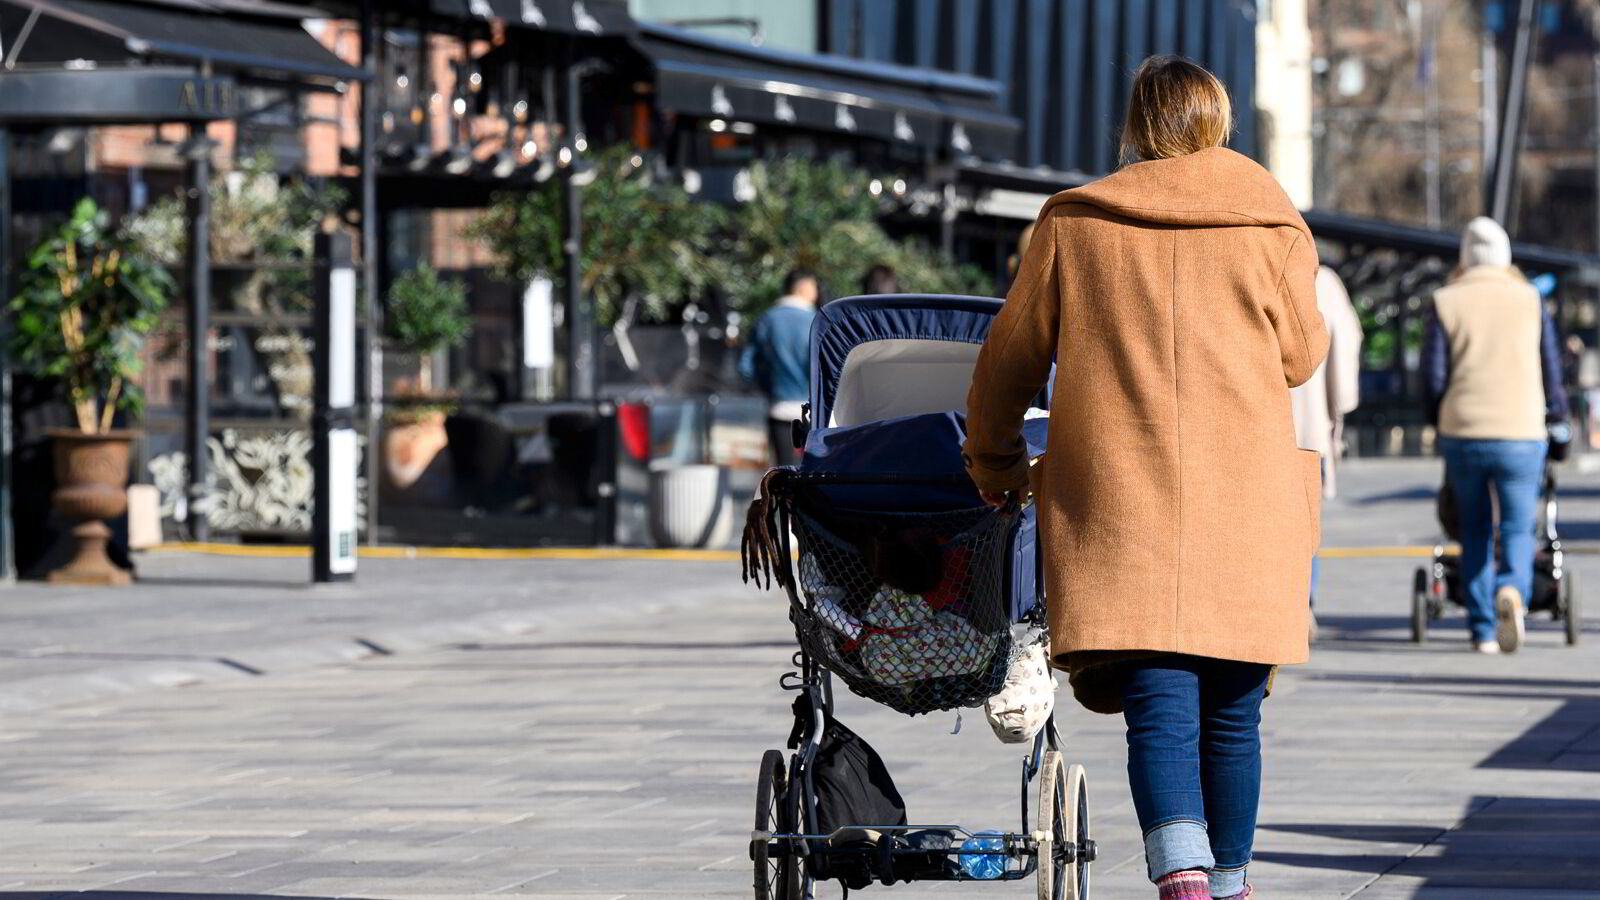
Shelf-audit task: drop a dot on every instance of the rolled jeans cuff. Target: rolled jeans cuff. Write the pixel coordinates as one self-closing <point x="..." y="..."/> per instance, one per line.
<point x="1177" y="846"/>
<point x="1227" y="882"/>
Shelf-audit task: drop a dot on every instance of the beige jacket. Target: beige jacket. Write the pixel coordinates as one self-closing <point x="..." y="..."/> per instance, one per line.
<point x="1334" y="390"/>
<point x="1176" y="298"/>
<point x="1492" y="322"/>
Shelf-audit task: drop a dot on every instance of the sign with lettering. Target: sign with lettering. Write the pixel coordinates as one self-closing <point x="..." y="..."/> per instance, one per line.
<point x="116" y="95"/>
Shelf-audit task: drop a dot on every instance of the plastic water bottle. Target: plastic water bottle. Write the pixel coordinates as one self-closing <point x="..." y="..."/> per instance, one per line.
<point x="985" y="866"/>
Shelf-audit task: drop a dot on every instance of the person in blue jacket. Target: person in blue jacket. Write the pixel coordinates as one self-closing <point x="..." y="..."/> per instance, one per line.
<point x="777" y="359"/>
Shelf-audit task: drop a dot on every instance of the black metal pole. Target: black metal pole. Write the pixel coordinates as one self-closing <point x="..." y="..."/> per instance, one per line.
<point x="580" y="323"/>
<point x="198" y="268"/>
<point x="372" y="313"/>
<point x="1503" y="186"/>
<point x="1595" y="84"/>
<point x="8" y="560"/>
<point x="605" y="506"/>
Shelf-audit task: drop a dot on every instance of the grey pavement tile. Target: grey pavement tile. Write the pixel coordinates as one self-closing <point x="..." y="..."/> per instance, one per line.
<point x="619" y="758"/>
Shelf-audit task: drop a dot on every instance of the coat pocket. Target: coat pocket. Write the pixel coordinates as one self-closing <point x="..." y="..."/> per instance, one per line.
<point x="1310" y="463"/>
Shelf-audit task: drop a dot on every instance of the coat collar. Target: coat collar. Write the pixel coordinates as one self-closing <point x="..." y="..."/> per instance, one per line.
<point x="1211" y="187"/>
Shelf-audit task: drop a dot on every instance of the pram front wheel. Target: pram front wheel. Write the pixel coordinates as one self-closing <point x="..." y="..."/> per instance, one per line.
<point x="1569" y="607"/>
<point x="1065" y="848"/>
<point x="774" y="868"/>
<point x="794" y="817"/>
<point x="1419" y="607"/>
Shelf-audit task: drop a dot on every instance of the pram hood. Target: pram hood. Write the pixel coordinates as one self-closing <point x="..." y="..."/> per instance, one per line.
<point x="892" y="342"/>
<point x="889" y="381"/>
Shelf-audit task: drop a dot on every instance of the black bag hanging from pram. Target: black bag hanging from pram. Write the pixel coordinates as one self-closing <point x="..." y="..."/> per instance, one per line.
<point x="852" y="787"/>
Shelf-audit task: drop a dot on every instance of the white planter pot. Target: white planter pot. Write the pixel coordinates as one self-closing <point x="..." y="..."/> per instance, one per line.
<point x="690" y="506"/>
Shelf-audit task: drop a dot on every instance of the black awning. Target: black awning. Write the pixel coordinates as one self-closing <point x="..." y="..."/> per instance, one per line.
<point x="107" y="96"/>
<point x="593" y="18"/>
<point x="1378" y="233"/>
<point x="714" y="78"/>
<point x="230" y="35"/>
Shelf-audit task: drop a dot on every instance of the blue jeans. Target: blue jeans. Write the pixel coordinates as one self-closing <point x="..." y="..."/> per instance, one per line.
<point x="1513" y="470"/>
<point x="1194" y="763"/>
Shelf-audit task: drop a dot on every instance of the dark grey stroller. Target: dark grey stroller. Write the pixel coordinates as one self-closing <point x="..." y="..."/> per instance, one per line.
<point x="1555" y="585"/>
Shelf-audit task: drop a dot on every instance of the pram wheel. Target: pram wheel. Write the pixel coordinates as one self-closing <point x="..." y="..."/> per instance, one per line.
<point x="1065" y="849"/>
<point x="1419" y="607"/>
<point x="794" y="817"/>
<point x="1569" y="606"/>
<point x="774" y="871"/>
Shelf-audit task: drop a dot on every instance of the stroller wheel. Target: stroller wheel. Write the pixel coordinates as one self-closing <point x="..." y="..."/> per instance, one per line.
<point x="1570" y="607"/>
<point x="773" y="870"/>
<point x="1078" y="802"/>
<point x="1065" y="850"/>
<point x="1420" y="613"/>
<point x="794" y="819"/>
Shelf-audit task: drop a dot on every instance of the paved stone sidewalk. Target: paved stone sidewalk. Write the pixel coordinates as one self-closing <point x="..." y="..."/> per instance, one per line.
<point x="591" y="729"/>
<point x="607" y="759"/>
<point x="198" y="618"/>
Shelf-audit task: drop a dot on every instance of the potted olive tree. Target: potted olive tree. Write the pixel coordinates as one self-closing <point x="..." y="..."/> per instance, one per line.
<point x="648" y="245"/>
<point x="425" y="314"/>
<point x="87" y="298"/>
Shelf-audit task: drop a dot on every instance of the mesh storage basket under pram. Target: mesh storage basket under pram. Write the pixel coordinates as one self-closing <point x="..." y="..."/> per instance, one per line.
<point x="907" y="608"/>
<point x="903" y="584"/>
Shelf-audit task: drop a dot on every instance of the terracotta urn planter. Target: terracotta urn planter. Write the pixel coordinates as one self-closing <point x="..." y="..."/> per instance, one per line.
<point x="91" y="486"/>
<point x="410" y="447"/>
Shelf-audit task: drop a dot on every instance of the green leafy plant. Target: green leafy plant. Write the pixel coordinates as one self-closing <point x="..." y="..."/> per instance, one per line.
<point x="89" y="296"/>
<point x="653" y="242"/>
<point x="255" y="217"/>
<point x="264" y="228"/>
<point x="820" y="216"/>
<point x="644" y="240"/>
<point x="426" y="314"/>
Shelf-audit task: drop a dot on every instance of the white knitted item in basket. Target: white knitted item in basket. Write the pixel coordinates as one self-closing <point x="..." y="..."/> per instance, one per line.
<point x="1026" y="700"/>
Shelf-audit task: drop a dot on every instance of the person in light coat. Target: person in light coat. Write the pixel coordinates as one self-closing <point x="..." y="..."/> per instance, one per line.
<point x="1334" y="390"/>
<point x="1176" y="299"/>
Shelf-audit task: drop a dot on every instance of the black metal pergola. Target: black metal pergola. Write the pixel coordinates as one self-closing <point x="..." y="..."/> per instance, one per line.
<point x="99" y="62"/>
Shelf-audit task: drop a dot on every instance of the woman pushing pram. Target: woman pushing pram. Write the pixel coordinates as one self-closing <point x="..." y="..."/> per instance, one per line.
<point x="1175" y="301"/>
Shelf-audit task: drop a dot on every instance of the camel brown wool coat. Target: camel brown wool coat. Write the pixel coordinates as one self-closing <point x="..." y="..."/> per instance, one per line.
<point x="1177" y="299"/>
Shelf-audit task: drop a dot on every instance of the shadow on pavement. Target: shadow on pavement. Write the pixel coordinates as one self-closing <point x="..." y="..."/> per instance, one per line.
<point x="226" y="583"/>
<point x="147" y="895"/>
<point x="1540" y="687"/>
<point x="1403" y="495"/>
<point x="1502" y="842"/>
<point x="1579" y="531"/>
<point x="1514" y="844"/>
<point x="628" y="645"/>
<point x="1557" y="742"/>
<point x="1377" y="833"/>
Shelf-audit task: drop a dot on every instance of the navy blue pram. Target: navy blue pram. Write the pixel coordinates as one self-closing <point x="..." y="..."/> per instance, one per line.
<point x="906" y="587"/>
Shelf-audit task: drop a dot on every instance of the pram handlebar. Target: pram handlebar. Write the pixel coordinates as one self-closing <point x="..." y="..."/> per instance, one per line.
<point x="795" y="476"/>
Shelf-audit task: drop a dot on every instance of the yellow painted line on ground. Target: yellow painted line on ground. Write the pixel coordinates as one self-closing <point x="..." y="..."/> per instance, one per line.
<point x="393" y="551"/>
<point x="399" y="551"/>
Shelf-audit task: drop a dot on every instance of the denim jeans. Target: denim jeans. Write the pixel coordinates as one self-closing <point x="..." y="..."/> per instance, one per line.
<point x="1513" y="470"/>
<point x="1194" y="763"/>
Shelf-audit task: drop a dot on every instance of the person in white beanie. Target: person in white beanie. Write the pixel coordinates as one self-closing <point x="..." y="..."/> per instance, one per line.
<point x="1492" y="362"/>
